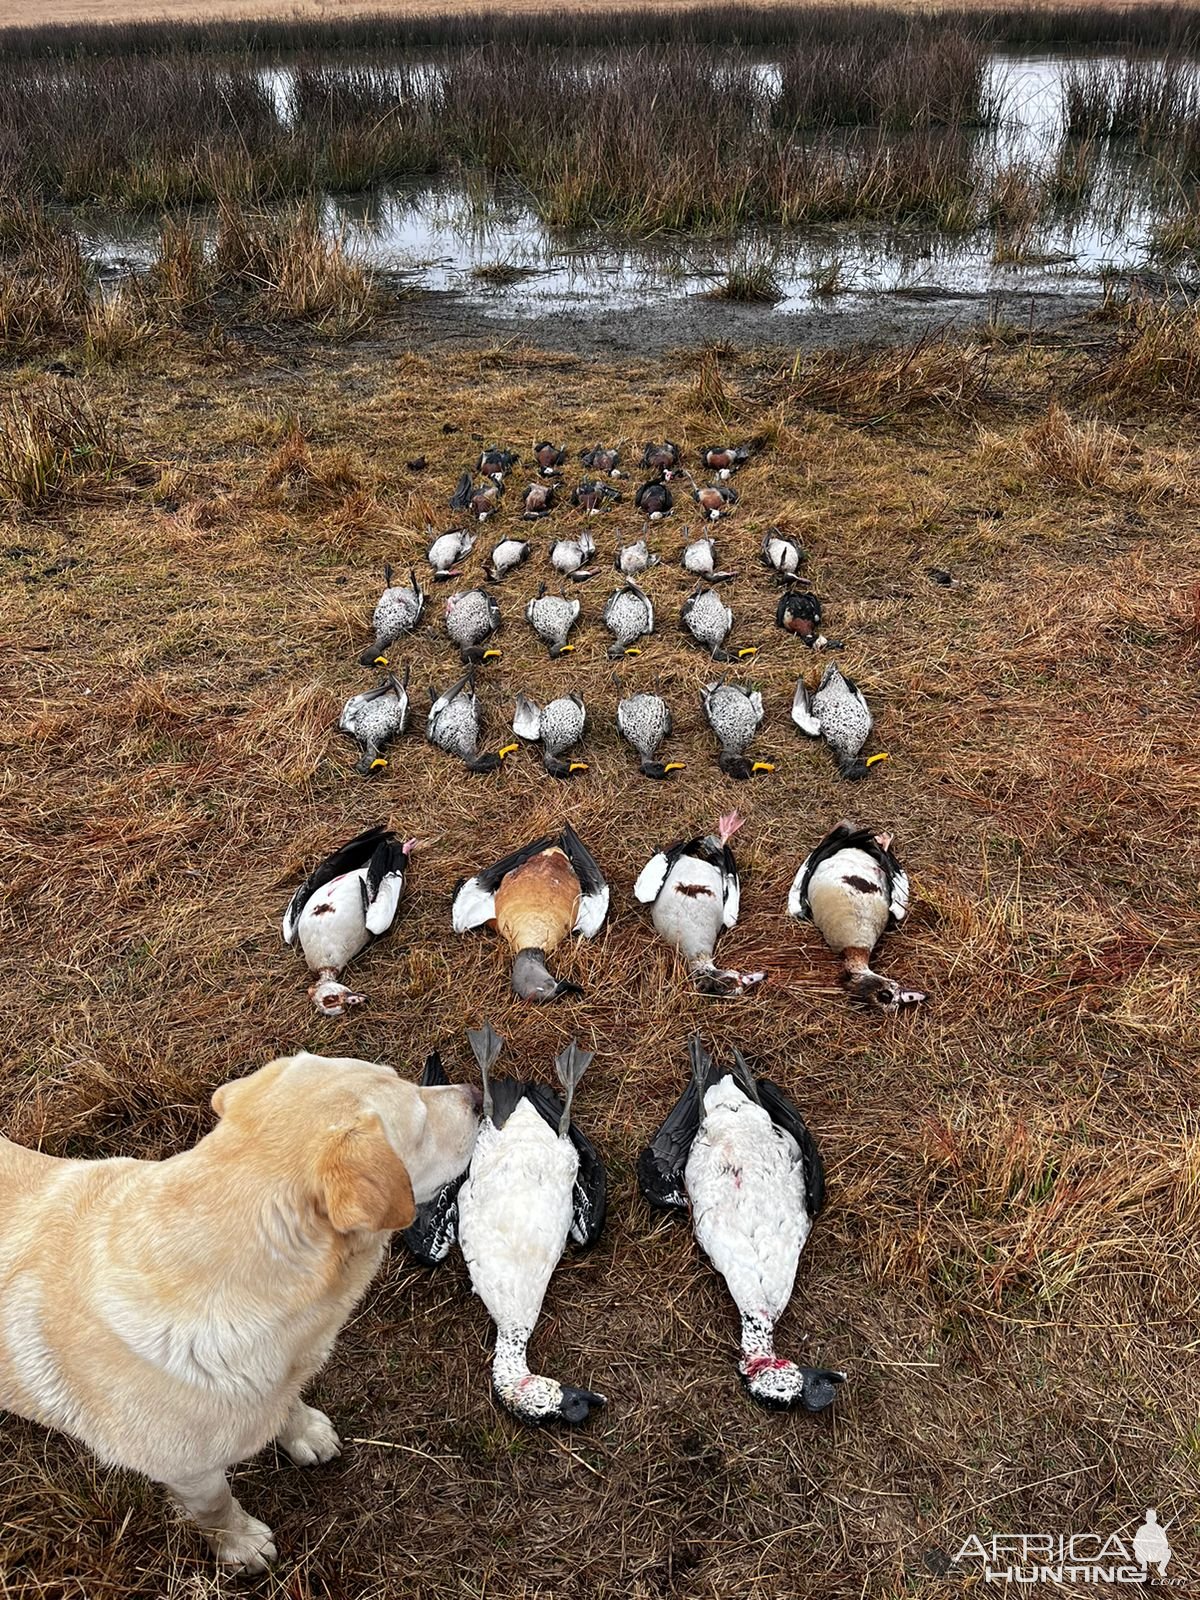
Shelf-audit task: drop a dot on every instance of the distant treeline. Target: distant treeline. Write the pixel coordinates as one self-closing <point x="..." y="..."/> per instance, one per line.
<point x="1158" y="27"/>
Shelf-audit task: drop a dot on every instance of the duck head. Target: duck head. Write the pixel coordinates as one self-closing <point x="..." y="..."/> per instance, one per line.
<point x="332" y="998"/>
<point x="884" y="995"/>
<point x="782" y="1385"/>
<point x="740" y="768"/>
<point x="541" y="1400"/>
<point x="660" y="769"/>
<point x="532" y="979"/>
<point x="371" y="764"/>
<point x="558" y="768"/>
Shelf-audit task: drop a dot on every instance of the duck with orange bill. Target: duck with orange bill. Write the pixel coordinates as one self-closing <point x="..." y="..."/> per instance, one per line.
<point x="397" y="612"/>
<point x="734" y="715"/>
<point x="535" y="899"/>
<point x="374" y="719"/>
<point x="837" y="712"/>
<point x="853" y="888"/>
<point x="736" y="1154"/>
<point x="694" y="893"/>
<point x="347" y="902"/>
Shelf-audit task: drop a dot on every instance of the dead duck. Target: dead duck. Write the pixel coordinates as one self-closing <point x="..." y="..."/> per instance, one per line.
<point x="716" y="500"/>
<point x="538" y="501"/>
<point x="725" y="459"/>
<point x="571" y="557"/>
<point x="594" y="497"/>
<point x="550" y="458"/>
<point x="783" y="556"/>
<point x="700" y="559"/>
<point x="644" y="721"/>
<point x="533" y="1183"/>
<point x="454" y="725"/>
<point x="536" y="898"/>
<point x="556" y="727"/>
<point x="695" y="894"/>
<point x="854" y="889"/>
<point x="634" y="559"/>
<point x="480" y="500"/>
<point x="735" y="1152"/>
<point x="397" y="612"/>
<point x="839" y="714"/>
<point x="601" y="458"/>
<point x="507" y="556"/>
<point x="446" y="550"/>
<point x="707" y="618"/>
<point x="342" y="907"/>
<point x="374" y="719"/>
<point x="628" y="616"/>
<point x="663" y="459"/>
<point x="654" y="500"/>
<point x="734" y="715"/>
<point x="552" y="617"/>
<point x="471" y="619"/>
<point x="799" y="613"/>
<point x="496" y="463"/>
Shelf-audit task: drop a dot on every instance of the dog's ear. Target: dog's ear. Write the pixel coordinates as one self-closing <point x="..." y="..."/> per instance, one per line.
<point x="228" y="1097"/>
<point x="362" y="1182"/>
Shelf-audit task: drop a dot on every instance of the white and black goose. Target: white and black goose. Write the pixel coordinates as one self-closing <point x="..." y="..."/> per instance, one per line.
<point x="455" y="726"/>
<point x="734" y="715"/>
<point x="644" y="721"/>
<point x="570" y="557"/>
<point x="534" y="1182"/>
<point x="507" y="556"/>
<point x="557" y="727"/>
<point x="707" y="618"/>
<point x="736" y="1151"/>
<point x="838" y="713"/>
<point x="700" y="559"/>
<point x="854" y="889"/>
<point x="397" y="612"/>
<point x="374" y="719"/>
<point x="629" y="617"/>
<point x="472" y="617"/>
<point x="783" y="556"/>
<point x="447" y="550"/>
<point x="552" y="616"/>
<point x="342" y="907"/>
<point x="695" y="892"/>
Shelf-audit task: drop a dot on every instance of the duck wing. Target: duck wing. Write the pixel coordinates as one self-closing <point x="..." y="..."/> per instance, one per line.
<point x="349" y="857"/>
<point x="660" y="1165"/>
<point x="593" y="888"/>
<point x="474" y="901"/>
<point x="435" y="1228"/>
<point x="787" y="1116"/>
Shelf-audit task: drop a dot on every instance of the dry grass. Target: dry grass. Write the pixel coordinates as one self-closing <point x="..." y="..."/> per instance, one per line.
<point x="1007" y="1266"/>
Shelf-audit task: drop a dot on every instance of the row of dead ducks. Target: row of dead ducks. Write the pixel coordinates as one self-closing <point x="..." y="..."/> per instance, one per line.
<point x="734" y="1151"/>
<point x="571" y="556"/>
<point x="595" y="494"/>
<point x="835" y="712"/>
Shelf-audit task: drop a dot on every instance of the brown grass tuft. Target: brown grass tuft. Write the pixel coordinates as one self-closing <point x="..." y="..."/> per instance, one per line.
<point x="875" y="385"/>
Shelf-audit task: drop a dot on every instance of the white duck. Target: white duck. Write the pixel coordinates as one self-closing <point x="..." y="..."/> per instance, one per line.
<point x="695" y="893"/>
<point x="571" y="556"/>
<point x="782" y="555"/>
<point x="534" y="1182"/>
<point x="737" y="1151"/>
<point x="446" y="550"/>
<point x="854" y="889"/>
<point x="342" y="907"/>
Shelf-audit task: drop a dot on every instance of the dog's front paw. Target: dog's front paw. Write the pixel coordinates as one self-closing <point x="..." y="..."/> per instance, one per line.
<point x="309" y="1437"/>
<point x="246" y="1545"/>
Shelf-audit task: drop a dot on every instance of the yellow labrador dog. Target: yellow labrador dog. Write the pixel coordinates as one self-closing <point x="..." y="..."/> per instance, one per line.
<point x="168" y="1313"/>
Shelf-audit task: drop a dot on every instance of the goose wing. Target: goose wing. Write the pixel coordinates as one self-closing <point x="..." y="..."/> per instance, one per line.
<point x="660" y="1165"/>
<point x="787" y="1116"/>
<point x="657" y="870"/>
<point x="474" y="902"/>
<point x="357" y="852"/>
<point x="383" y="885"/>
<point x="589" y="1197"/>
<point x="593" y="888"/>
<point x="435" y="1227"/>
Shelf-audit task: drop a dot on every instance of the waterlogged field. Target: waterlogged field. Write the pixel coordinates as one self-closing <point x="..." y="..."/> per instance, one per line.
<point x="203" y="469"/>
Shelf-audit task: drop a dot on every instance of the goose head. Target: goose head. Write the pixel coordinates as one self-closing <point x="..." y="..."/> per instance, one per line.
<point x="880" y="994"/>
<point x="782" y="1385"/>
<point x="537" y="1399"/>
<point x="532" y="979"/>
<point x="332" y="998"/>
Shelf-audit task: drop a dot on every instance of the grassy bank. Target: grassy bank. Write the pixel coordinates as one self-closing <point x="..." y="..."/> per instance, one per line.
<point x="1007" y="1262"/>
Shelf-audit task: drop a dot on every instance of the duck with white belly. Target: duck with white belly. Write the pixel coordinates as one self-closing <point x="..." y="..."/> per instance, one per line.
<point x="507" y="556"/>
<point x="342" y="907"/>
<point x="629" y="617"/>
<point x="570" y="557"/>
<point x="556" y="727"/>
<point x="472" y="617"/>
<point x="700" y="559"/>
<point x="447" y="550"/>
<point x="838" y="713"/>
<point x="734" y="715"/>
<point x="631" y="560"/>
<point x="397" y="612"/>
<point x="736" y="1151"/>
<point x="695" y="892"/>
<point x="534" y="1182"/>
<point x="536" y="898"/>
<point x="374" y="719"/>
<point x="783" y="556"/>
<point x="854" y="889"/>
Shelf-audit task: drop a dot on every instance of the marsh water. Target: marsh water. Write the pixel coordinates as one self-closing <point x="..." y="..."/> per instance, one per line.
<point x="488" y="249"/>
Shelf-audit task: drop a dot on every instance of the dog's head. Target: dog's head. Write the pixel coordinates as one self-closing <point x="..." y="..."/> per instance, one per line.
<point x="366" y="1145"/>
